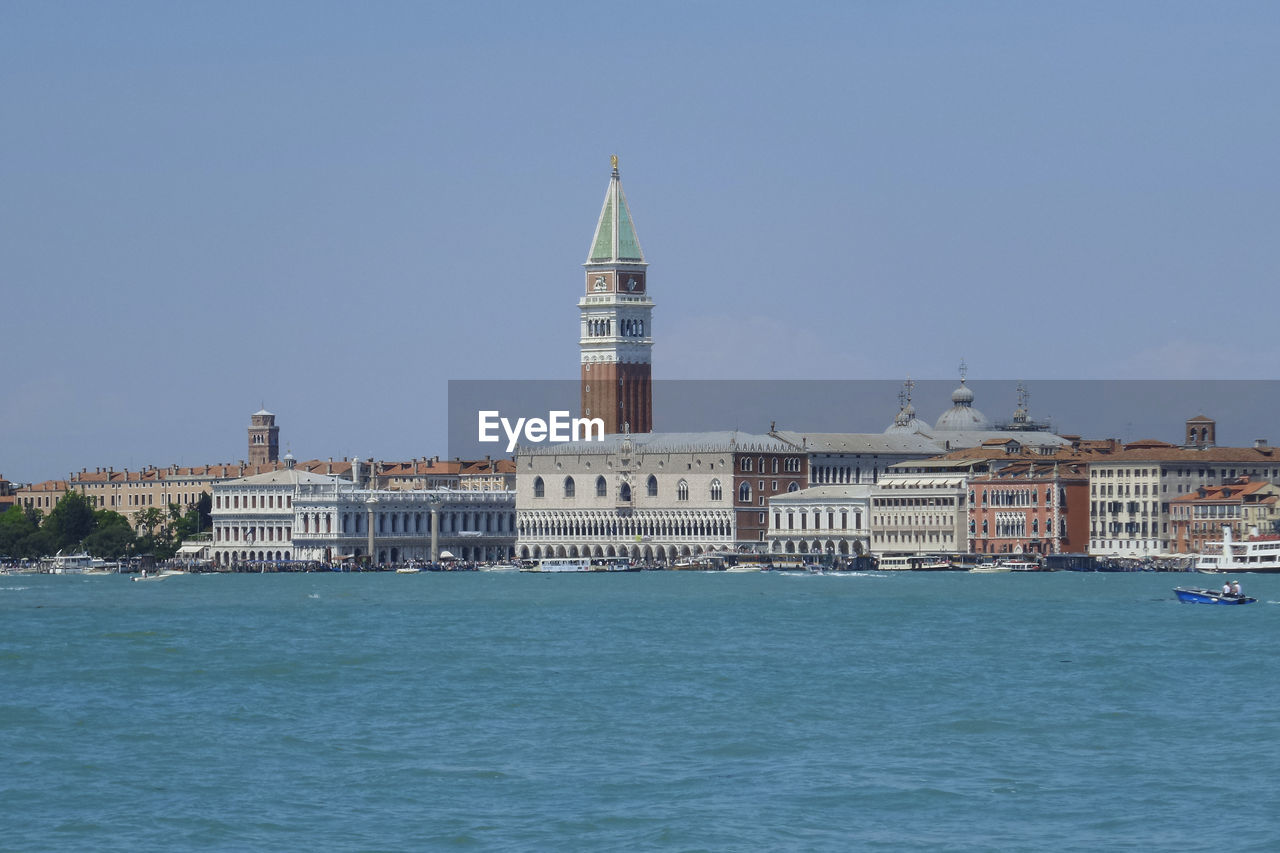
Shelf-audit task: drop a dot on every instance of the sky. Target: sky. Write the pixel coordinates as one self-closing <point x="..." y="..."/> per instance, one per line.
<point x="333" y="209"/>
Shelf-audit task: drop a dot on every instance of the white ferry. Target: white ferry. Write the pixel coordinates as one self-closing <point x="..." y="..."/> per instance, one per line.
<point x="580" y="564"/>
<point x="1255" y="554"/>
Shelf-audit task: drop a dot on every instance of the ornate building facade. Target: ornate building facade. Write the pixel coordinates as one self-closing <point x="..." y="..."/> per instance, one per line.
<point x="654" y="497"/>
<point x="292" y="515"/>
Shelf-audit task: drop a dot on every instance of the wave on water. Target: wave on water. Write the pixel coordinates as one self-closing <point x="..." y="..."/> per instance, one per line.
<point x="13" y="588"/>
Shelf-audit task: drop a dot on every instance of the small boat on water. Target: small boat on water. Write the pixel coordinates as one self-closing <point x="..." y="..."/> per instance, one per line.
<point x="990" y="568"/>
<point x="408" y="570"/>
<point x="1209" y="596"/>
<point x="156" y="576"/>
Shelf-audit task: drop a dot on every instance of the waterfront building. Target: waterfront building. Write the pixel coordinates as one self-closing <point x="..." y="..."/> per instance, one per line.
<point x="921" y="508"/>
<point x="290" y="515"/>
<point x="822" y="521"/>
<point x="1030" y="507"/>
<point x="927" y="506"/>
<point x="1249" y="507"/>
<point x="1131" y="490"/>
<point x="652" y="496"/>
<point x="616" y="322"/>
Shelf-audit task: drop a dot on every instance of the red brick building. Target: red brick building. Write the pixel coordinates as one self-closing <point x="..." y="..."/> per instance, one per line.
<point x="1030" y="508"/>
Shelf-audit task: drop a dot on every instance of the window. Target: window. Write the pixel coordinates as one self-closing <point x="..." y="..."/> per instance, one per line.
<point x="746" y="464"/>
<point x="716" y="491"/>
<point x="744" y="493"/>
<point x="538" y="490"/>
<point x="569" y="490"/>
<point x="602" y="488"/>
<point x="653" y="486"/>
<point x="682" y="491"/>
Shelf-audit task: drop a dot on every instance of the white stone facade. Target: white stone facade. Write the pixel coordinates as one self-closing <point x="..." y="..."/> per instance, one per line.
<point x="653" y="497"/>
<point x="823" y="520"/>
<point x="291" y="516"/>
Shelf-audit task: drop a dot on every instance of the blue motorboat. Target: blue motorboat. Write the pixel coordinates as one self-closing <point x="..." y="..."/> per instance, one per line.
<point x="1209" y="596"/>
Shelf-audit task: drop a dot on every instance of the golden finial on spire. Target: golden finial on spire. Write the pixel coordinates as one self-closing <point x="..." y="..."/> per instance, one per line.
<point x="613" y="161"/>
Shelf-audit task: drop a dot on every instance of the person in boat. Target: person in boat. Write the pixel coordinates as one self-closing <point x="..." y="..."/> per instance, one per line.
<point x="1226" y="587"/>
<point x="1235" y="588"/>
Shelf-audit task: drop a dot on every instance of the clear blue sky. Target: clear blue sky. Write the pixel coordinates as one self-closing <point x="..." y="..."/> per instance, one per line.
<point x="332" y="209"/>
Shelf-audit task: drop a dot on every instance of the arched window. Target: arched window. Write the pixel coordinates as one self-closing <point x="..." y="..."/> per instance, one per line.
<point x="746" y="464"/>
<point x="682" y="491"/>
<point x="716" y="492"/>
<point x="625" y="492"/>
<point x="744" y="493"/>
<point x="793" y="488"/>
<point x="653" y="486"/>
<point x="568" y="487"/>
<point x="538" y="490"/>
<point x="602" y="487"/>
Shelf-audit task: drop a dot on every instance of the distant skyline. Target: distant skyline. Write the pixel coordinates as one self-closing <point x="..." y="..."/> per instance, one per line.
<point x="333" y="209"/>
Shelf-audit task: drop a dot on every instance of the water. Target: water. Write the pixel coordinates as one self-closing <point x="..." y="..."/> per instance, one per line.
<point x="676" y="711"/>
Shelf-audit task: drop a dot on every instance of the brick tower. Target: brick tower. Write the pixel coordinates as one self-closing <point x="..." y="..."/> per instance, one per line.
<point x="616" y="337"/>
<point x="264" y="438"/>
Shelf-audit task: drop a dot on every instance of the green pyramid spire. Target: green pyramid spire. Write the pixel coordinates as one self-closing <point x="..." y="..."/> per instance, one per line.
<point x="615" y="239"/>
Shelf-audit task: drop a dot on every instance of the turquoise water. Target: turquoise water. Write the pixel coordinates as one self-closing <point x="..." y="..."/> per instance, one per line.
<point x="675" y="711"/>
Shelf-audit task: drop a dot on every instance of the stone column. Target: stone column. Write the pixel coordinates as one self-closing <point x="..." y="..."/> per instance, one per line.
<point x="434" y="502"/>
<point x="370" y="503"/>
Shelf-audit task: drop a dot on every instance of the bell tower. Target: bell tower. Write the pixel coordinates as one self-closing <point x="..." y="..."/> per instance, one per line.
<point x="616" y="334"/>
<point x="264" y="438"/>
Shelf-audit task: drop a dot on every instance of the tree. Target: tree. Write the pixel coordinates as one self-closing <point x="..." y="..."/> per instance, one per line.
<point x="147" y="520"/>
<point x="112" y="537"/>
<point x="16" y="527"/>
<point x="70" y="521"/>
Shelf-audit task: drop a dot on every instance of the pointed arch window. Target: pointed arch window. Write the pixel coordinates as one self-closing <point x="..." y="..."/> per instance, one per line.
<point x="538" y="489"/>
<point x="744" y="493"/>
<point x="653" y="486"/>
<point x="717" y="492"/>
<point x="602" y="487"/>
<point x="569" y="490"/>
<point x="682" y="491"/>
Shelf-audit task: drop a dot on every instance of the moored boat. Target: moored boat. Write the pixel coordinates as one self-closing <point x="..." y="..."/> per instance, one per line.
<point x="1255" y="554"/>
<point x="1209" y="596"/>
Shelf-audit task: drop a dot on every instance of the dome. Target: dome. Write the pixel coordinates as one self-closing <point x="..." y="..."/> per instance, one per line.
<point x="905" y="422"/>
<point x="962" y="415"/>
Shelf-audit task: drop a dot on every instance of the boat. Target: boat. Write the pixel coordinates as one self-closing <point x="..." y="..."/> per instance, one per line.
<point x="500" y="567"/>
<point x="581" y="564"/>
<point x="1020" y="565"/>
<point x="745" y="567"/>
<point x="408" y="570"/>
<point x="990" y="568"/>
<point x="1209" y="596"/>
<point x="158" y="576"/>
<point x="1255" y="554"/>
